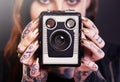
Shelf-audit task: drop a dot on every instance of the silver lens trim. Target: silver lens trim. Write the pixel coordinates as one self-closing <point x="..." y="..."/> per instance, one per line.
<point x="58" y="30"/>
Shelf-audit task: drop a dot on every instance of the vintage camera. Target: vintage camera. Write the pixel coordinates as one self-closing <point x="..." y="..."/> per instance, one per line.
<point x="60" y="38"/>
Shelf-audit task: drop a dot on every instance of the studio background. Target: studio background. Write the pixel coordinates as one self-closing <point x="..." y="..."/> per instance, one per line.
<point x="107" y="20"/>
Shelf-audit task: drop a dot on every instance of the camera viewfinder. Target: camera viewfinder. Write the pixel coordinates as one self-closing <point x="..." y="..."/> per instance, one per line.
<point x="70" y="23"/>
<point x="50" y="23"/>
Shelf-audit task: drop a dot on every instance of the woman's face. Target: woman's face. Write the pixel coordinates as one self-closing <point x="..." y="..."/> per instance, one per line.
<point x="43" y="5"/>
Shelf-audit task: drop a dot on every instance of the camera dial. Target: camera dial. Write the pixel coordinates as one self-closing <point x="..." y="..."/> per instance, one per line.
<point x="70" y="23"/>
<point x="50" y="23"/>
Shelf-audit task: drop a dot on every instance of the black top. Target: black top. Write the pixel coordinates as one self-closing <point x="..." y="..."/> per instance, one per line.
<point x="109" y="68"/>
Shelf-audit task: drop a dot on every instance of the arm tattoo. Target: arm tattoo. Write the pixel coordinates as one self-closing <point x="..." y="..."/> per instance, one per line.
<point x="81" y="76"/>
<point x="42" y="77"/>
<point x="77" y="76"/>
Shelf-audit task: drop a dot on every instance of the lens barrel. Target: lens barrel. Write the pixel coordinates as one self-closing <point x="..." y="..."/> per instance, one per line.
<point x="60" y="40"/>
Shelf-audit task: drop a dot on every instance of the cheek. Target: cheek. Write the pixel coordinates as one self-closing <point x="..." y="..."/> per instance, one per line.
<point x="81" y="8"/>
<point x="36" y="9"/>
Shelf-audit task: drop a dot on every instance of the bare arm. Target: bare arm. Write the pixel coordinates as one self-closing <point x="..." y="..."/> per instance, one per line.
<point x="41" y="77"/>
<point x="27" y="48"/>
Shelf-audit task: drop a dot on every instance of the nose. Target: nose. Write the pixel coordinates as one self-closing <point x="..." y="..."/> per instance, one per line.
<point x="59" y="5"/>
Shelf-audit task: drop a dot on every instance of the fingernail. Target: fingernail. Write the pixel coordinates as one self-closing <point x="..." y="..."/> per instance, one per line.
<point x="85" y="30"/>
<point x="85" y="61"/>
<point x="95" y="67"/>
<point x="102" y="54"/>
<point x="37" y="61"/>
<point x="84" y="19"/>
<point x="36" y="42"/>
<point x="85" y="41"/>
<point x="35" y="31"/>
<point x="36" y="20"/>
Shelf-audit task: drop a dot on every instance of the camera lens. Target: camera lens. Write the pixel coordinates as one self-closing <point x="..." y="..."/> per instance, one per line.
<point x="60" y="40"/>
<point x="50" y="23"/>
<point x="70" y="23"/>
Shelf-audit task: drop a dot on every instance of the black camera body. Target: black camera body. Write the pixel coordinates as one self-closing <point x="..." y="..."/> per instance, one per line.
<point x="60" y="38"/>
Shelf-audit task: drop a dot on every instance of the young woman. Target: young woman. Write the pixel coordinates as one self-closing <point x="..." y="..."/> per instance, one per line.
<point x="24" y="35"/>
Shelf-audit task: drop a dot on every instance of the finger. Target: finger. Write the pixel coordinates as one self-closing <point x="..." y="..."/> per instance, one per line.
<point x="27" y="58"/>
<point x="94" y="37"/>
<point x="96" y="52"/>
<point x="34" y="71"/>
<point x="82" y="35"/>
<point x="27" y="40"/>
<point x="91" y="66"/>
<point x="30" y="27"/>
<point x="87" y="65"/>
<point x="89" y="24"/>
<point x="38" y="73"/>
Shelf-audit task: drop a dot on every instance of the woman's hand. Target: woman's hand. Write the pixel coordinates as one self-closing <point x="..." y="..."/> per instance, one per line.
<point x="92" y="44"/>
<point x="27" y="47"/>
<point x="28" y="44"/>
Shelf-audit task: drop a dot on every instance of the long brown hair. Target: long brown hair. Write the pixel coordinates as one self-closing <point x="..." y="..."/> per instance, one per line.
<point x="21" y="17"/>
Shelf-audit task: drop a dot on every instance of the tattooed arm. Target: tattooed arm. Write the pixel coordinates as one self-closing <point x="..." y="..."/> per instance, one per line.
<point x="27" y="48"/>
<point x="41" y="77"/>
<point x="89" y="77"/>
<point x="92" y="45"/>
<point x="81" y="76"/>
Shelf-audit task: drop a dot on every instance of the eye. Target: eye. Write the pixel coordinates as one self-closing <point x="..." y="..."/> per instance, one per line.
<point x="72" y="2"/>
<point x="44" y="1"/>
